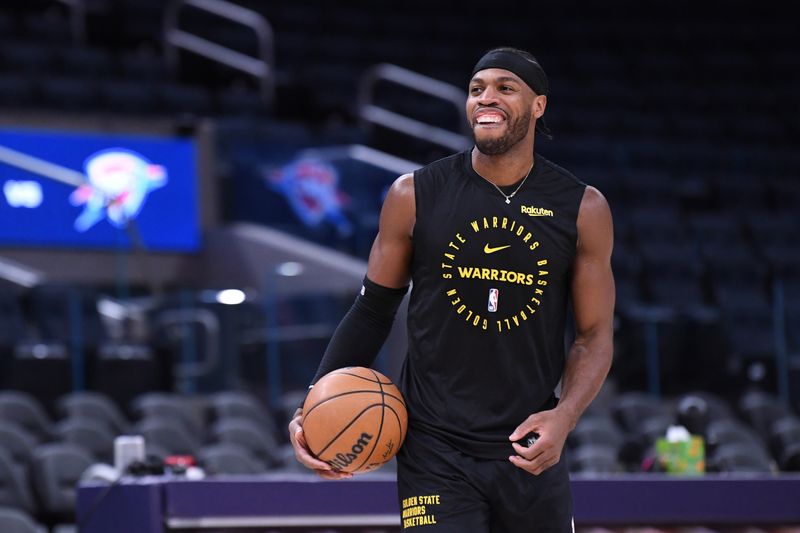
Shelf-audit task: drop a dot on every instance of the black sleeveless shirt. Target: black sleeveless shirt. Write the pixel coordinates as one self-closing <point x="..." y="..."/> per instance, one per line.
<point x="488" y="302"/>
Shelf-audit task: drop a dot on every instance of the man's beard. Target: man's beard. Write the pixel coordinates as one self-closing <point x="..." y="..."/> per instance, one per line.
<point x="516" y="131"/>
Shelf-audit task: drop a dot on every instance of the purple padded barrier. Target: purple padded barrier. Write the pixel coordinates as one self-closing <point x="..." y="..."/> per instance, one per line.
<point x="304" y="500"/>
<point x="283" y="501"/>
<point x="134" y="507"/>
<point x="651" y="499"/>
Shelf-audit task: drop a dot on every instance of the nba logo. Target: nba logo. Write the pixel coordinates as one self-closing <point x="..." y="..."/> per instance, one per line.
<point x="493" y="295"/>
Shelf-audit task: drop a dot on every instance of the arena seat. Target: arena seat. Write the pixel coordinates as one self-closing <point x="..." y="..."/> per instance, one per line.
<point x="169" y="434"/>
<point x="17" y="442"/>
<point x="17" y="89"/>
<point x="595" y="430"/>
<point x="68" y="93"/>
<point x="14" y="485"/>
<point x="25" y="410"/>
<point x="594" y="459"/>
<point x="232" y="404"/>
<point x="190" y="413"/>
<point x="784" y="438"/>
<point x="632" y="409"/>
<point x="16" y="521"/>
<point x="251" y="436"/>
<point x="90" y="434"/>
<point x="761" y="410"/>
<point x="94" y="405"/>
<point x="124" y="96"/>
<point x="41" y="369"/>
<point x="55" y="473"/>
<point x="228" y="458"/>
<point x="23" y="57"/>
<point x="716" y="228"/>
<point x="88" y="62"/>
<point x="739" y="457"/>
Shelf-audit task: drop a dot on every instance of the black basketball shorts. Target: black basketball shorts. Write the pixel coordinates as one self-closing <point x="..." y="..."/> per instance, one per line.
<point x="443" y="490"/>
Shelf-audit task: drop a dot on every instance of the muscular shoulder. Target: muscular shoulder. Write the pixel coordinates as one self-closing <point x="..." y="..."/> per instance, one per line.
<point x="399" y="208"/>
<point x="595" y="225"/>
<point x="403" y="187"/>
<point x="593" y="204"/>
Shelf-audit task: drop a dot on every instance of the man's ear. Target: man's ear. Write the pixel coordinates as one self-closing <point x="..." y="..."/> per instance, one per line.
<point x="539" y="105"/>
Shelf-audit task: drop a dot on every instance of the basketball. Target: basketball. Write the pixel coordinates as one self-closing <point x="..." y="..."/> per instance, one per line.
<point x="354" y="419"/>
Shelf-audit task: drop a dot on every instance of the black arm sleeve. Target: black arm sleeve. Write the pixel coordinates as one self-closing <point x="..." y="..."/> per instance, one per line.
<point x="363" y="330"/>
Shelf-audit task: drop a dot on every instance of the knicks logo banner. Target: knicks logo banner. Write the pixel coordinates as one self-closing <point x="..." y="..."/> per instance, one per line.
<point x="505" y="253"/>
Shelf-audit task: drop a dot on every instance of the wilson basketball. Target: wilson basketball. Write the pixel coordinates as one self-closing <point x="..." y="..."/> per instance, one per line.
<point x="354" y="419"/>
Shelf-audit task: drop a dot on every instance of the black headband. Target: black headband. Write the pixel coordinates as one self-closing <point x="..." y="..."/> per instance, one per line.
<point x="528" y="70"/>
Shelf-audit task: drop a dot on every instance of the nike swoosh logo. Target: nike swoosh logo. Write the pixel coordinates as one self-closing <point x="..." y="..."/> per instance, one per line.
<point x="489" y="250"/>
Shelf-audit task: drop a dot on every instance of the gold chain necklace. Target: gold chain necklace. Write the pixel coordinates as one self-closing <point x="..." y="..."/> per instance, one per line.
<point x="508" y="197"/>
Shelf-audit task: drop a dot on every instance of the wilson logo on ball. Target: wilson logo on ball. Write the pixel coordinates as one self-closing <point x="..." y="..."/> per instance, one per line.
<point x="344" y="460"/>
<point x="354" y="419"/>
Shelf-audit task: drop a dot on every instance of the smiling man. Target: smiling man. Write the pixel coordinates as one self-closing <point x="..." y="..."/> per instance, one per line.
<point x="495" y="239"/>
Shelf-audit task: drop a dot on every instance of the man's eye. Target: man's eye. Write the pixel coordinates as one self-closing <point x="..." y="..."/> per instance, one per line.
<point x="475" y="90"/>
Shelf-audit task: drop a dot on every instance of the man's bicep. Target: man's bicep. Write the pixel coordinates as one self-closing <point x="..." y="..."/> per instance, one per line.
<point x="593" y="292"/>
<point x="390" y="257"/>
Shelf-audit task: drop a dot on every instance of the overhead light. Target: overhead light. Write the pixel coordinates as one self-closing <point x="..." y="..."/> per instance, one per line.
<point x="290" y="269"/>
<point x="230" y="297"/>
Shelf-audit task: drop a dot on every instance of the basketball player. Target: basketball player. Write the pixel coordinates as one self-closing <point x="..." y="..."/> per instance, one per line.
<point x="495" y="240"/>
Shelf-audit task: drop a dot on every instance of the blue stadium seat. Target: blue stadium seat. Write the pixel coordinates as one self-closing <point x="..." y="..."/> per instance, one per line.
<point x="128" y="96"/>
<point x="26" y="57"/>
<point x="69" y="93"/>
<point x="657" y="225"/>
<point x="177" y="98"/>
<point x="17" y="90"/>
<point x="79" y="61"/>
<point x="52" y="26"/>
<point x="142" y="66"/>
<point x="716" y="228"/>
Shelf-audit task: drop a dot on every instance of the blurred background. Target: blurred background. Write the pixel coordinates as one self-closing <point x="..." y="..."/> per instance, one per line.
<point x="190" y="190"/>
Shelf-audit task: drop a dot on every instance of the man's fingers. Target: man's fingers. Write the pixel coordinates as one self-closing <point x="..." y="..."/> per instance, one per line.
<point x="332" y="474"/>
<point x="540" y="464"/>
<point x="531" y="424"/>
<point x="544" y="466"/>
<point x="536" y="466"/>
<point x="528" y="453"/>
<point x="300" y="435"/>
<point x="523" y="429"/>
<point x="303" y="454"/>
<point x="305" y="457"/>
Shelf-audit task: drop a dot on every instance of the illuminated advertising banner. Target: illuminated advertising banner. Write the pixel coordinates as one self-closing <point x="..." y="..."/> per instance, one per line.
<point x="87" y="190"/>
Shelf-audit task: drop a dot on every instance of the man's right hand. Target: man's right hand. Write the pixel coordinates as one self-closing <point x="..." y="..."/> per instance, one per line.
<point x="303" y="454"/>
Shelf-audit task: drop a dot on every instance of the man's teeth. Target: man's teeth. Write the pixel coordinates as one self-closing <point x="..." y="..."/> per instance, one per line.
<point x="489" y="119"/>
